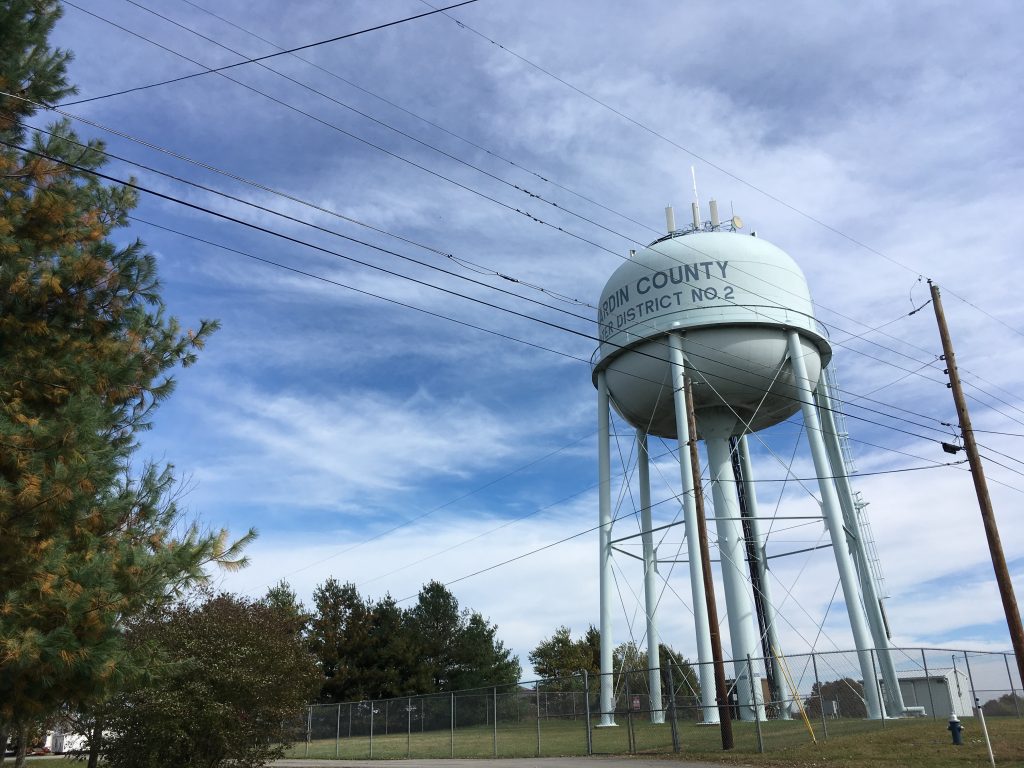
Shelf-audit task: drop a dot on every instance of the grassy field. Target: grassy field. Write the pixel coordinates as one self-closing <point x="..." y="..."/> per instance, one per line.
<point x="923" y="743"/>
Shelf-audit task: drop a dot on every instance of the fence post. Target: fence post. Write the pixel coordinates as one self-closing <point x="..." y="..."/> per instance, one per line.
<point x="408" y="731"/>
<point x="754" y="695"/>
<point x="453" y="723"/>
<point x="970" y="677"/>
<point x="629" y="713"/>
<point x="337" y="733"/>
<point x="672" y="708"/>
<point x="537" y="697"/>
<point x="371" y="729"/>
<point x="878" y="687"/>
<point x="309" y="727"/>
<point x="494" y="738"/>
<point x="928" y="684"/>
<point x="586" y="709"/>
<point x="1013" y="691"/>
<point x="821" y="698"/>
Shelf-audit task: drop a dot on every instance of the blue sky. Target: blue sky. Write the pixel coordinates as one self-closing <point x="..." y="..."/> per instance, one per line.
<point x="877" y="145"/>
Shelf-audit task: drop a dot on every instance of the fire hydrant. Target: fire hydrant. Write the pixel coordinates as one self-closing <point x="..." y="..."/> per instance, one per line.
<point x="956" y="728"/>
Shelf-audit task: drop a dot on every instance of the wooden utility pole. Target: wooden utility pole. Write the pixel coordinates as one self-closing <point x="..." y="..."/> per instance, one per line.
<point x="995" y="546"/>
<point x="721" y="693"/>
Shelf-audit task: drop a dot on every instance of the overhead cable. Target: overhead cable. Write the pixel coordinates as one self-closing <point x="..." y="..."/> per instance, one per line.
<point x="255" y="59"/>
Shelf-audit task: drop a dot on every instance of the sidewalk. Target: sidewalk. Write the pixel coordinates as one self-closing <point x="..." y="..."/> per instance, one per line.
<point x="512" y="762"/>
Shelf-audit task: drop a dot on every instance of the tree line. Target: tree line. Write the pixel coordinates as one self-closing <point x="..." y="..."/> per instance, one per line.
<point x="560" y="660"/>
<point x="376" y="649"/>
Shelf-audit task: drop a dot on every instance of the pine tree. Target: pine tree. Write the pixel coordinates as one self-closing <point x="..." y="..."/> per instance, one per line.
<point x="86" y="351"/>
<point x="457" y="649"/>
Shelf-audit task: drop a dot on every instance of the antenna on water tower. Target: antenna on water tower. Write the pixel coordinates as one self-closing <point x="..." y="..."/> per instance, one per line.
<point x="696" y="197"/>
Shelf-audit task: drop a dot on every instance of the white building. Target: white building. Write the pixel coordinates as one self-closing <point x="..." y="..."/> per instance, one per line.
<point x="942" y="692"/>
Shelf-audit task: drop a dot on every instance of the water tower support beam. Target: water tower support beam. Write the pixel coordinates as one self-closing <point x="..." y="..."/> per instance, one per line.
<point x="766" y="588"/>
<point x="716" y="430"/>
<point x="702" y="627"/>
<point x="872" y="605"/>
<point x="650" y="579"/>
<point x="604" y="473"/>
<point x="832" y="512"/>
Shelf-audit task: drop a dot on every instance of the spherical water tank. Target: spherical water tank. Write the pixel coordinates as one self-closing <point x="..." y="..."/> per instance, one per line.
<point x="735" y="297"/>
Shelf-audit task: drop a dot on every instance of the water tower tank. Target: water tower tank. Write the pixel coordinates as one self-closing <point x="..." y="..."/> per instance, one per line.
<point x="735" y="297"/>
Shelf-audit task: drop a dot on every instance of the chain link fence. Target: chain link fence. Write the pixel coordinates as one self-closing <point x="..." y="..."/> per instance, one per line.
<point x="804" y="696"/>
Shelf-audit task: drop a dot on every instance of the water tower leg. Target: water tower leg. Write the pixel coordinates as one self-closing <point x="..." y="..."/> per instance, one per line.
<point x="732" y="550"/>
<point x="702" y="628"/>
<point x="775" y="648"/>
<point x="895" y="705"/>
<point x="650" y="579"/>
<point x="833" y="515"/>
<point x="604" y="472"/>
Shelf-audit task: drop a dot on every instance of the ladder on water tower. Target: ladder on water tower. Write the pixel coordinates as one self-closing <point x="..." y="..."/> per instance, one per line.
<point x="867" y="536"/>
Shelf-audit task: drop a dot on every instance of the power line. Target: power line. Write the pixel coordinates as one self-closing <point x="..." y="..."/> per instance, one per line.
<point x="451" y="256"/>
<point x="288" y="238"/>
<point x="399" y="255"/>
<point x="296" y="220"/>
<point x="423" y="168"/>
<point x="427" y="121"/>
<point x="445" y="178"/>
<point x="670" y="452"/>
<point x="994" y="432"/>
<point x="261" y="58"/>
<point x="486" y="330"/>
<point x="562" y="208"/>
<point x="1000" y="453"/>
<point x="362" y="114"/>
<point x="438" y="508"/>
<point x="708" y="162"/>
<point x="576" y="535"/>
<point x="362" y="140"/>
<point x="361" y="291"/>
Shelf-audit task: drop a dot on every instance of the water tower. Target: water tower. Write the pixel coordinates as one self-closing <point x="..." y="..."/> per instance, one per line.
<point x="733" y="314"/>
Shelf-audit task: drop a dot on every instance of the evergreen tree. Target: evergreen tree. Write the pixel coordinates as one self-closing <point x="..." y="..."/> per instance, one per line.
<point x="86" y="350"/>
<point x="435" y="623"/>
<point x="368" y="650"/>
<point x="338" y="632"/>
<point x="282" y="598"/>
<point x="457" y="649"/>
<point x="389" y="662"/>
<point x="481" y="659"/>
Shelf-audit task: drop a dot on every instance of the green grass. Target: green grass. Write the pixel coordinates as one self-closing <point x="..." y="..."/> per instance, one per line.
<point x="918" y="743"/>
